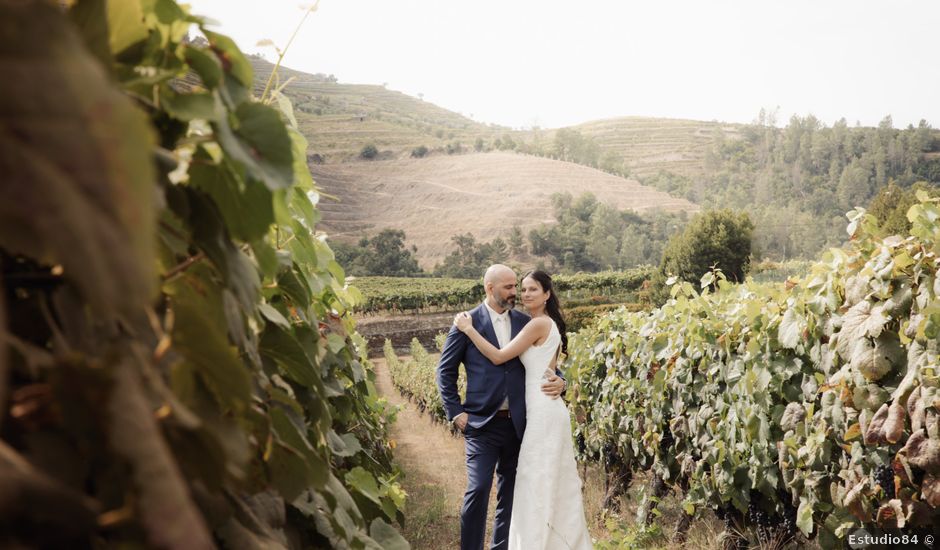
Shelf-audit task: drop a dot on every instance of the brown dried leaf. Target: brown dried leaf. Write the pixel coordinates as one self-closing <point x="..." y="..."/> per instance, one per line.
<point x="894" y="425"/>
<point x="923" y="452"/>
<point x="855" y="503"/>
<point x="891" y="515"/>
<point x="875" y="432"/>
<point x="854" y="431"/>
<point x="916" y="410"/>
<point x="930" y="490"/>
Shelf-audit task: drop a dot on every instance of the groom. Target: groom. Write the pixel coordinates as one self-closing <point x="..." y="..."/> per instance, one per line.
<point x="492" y="418"/>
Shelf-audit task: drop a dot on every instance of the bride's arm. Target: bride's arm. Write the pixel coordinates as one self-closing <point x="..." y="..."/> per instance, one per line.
<point x="535" y="329"/>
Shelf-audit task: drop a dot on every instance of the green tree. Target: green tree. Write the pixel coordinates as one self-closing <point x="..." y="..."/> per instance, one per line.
<point x="717" y="238"/>
<point x="890" y="206"/>
<point x="468" y="261"/>
<point x="854" y="186"/>
<point x="388" y="255"/>
<point x="516" y="241"/>
<point x="634" y="248"/>
<point x="384" y="254"/>
<point x="604" y="237"/>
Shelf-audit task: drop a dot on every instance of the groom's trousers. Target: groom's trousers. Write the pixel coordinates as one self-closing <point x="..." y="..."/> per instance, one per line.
<point x="494" y="447"/>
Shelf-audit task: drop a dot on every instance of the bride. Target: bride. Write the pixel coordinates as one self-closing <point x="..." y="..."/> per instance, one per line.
<point x="547" y="510"/>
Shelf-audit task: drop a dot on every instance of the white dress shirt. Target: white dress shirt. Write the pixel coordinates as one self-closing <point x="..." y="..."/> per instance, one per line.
<point x="502" y="326"/>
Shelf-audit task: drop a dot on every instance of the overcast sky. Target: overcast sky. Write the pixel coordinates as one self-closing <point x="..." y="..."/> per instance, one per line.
<point x="553" y="63"/>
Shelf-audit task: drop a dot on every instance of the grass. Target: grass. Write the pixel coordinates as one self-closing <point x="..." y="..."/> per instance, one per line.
<point x="628" y="530"/>
<point x="430" y="511"/>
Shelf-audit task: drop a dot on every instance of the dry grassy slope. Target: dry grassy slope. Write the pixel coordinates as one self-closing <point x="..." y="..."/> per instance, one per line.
<point x="485" y="194"/>
<point x="339" y="119"/>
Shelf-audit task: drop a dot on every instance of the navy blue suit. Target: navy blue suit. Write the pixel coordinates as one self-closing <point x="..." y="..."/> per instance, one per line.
<point x="492" y="442"/>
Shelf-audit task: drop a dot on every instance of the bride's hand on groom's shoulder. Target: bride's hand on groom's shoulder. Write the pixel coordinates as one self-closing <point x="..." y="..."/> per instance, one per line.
<point x="462" y="321"/>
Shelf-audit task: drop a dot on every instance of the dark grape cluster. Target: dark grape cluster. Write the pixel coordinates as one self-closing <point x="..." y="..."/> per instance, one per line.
<point x="884" y="475"/>
<point x="734" y="539"/>
<point x="667" y="441"/>
<point x="773" y="528"/>
<point x="582" y="447"/>
<point x="787" y="523"/>
<point x="611" y="457"/>
<point x="759" y="520"/>
<point x="918" y="474"/>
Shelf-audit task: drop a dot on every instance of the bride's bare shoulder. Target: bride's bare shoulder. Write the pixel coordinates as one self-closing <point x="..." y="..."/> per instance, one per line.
<point x="542" y="323"/>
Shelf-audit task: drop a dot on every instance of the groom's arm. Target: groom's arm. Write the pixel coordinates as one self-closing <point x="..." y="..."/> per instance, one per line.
<point x="447" y="368"/>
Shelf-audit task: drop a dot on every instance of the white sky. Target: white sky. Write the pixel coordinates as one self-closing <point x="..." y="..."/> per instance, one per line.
<point x="552" y="63"/>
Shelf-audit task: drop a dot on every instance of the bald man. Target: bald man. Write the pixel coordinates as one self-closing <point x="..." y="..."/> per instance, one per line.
<point x="492" y="418"/>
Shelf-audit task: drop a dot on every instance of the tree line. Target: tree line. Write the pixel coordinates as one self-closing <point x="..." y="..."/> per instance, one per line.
<point x="798" y="181"/>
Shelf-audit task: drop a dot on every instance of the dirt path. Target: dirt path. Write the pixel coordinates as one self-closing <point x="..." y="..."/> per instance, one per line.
<point x="434" y="472"/>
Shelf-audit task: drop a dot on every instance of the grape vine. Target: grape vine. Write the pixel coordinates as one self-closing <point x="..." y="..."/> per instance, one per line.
<point x="779" y="403"/>
<point x="178" y="363"/>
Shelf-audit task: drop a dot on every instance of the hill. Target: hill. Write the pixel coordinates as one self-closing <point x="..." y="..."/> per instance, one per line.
<point x="340" y="119"/>
<point x="650" y="145"/>
<point x="485" y="194"/>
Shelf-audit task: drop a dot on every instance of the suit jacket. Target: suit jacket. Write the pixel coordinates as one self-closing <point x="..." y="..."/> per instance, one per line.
<point x="487" y="384"/>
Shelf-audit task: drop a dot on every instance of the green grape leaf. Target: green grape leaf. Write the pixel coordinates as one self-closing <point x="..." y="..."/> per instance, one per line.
<point x="126" y="25"/>
<point x="257" y="138"/>
<point x="199" y="335"/>
<point x="804" y="517"/>
<point x="286" y="351"/>
<point x="791" y="328"/>
<point x="364" y="483"/>
<point x="244" y="205"/>
<point x="874" y="362"/>
<point x="386" y="536"/>
<point x="190" y="106"/>
<point x="206" y="65"/>
<point x="272" y="314"/>
<point x="233" y="61"/>
<point x="861" y="321"/>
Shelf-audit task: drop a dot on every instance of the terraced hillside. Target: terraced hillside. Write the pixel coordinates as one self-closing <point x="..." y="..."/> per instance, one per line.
<point x="340" y="119"/>
<point x="649" y="145"/>
<point x="485" y="194"/>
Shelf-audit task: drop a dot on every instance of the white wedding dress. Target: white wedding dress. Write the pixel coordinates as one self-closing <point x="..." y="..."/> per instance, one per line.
<point x="547" y="508"/>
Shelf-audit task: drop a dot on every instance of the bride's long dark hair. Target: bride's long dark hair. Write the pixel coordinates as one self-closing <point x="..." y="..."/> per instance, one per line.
<point x="553" y="306"/>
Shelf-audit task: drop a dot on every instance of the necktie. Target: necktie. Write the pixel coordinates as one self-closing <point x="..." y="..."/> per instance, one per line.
<point x="502" y="332"/>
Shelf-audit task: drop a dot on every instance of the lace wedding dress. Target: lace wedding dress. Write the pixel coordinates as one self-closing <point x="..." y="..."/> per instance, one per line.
<point x="547" y="509"/>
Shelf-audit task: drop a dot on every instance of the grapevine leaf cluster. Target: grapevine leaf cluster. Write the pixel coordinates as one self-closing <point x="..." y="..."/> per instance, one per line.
<point x="812" y="403"/>
<point x="176" y="345"/>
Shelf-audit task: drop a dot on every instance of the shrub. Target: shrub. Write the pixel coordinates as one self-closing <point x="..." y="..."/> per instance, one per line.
<point x="419" y="152"/>
<point x="369" y="152"/>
